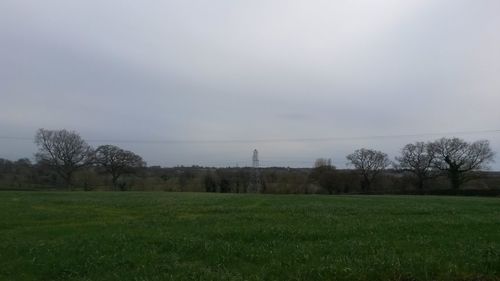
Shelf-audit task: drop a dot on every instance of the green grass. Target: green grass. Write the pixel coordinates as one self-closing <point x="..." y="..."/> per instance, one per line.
<point x="194" y="236"/>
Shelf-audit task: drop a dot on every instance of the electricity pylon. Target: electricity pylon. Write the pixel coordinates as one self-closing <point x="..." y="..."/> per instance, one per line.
<point x="255" y="183"/>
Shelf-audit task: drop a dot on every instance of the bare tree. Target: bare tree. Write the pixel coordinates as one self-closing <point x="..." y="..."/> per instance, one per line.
<point x="459" y="158"/>
<point x="322" y="162"/>
<point x="117" y="162"/>
<point x="64" y="151"/>
<point x="370" y="163"/>
<point x="325" y="175"/>
<point x="417" y="159"/>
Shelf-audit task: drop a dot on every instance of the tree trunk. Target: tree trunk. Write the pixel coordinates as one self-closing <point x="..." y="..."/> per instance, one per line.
<point x="67" y="176"/>
<point x="420" y="184"/>
<point x="456" y="181"/>
<point x="114" y="181"/>
<point x="365" y="184"/>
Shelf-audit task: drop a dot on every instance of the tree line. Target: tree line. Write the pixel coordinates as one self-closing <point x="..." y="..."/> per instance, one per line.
<point x="65" y="159"/>
<point x="453" y="157"/>
<point x="65" y="152"/>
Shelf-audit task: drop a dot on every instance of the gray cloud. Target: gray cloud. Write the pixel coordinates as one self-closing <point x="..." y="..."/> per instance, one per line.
<point x="258" y="70"/>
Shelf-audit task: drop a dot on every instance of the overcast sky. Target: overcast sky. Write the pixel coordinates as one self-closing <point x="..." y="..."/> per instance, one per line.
<point x="228" y="70"/>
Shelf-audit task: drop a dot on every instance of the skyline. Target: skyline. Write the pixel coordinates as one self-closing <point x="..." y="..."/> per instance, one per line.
<point x="267" y="161"/>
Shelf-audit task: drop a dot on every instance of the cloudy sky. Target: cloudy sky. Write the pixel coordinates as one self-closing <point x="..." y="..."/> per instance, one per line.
<point x="206" y="82"/>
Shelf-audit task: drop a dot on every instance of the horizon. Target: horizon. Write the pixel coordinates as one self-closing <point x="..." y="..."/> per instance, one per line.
<point x="264" y="161"/>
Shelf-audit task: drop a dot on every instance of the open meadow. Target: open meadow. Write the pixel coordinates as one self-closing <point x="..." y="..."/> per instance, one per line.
<point x="201" y="236"/>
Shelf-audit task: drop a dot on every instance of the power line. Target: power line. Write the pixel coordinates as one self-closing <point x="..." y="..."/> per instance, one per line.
<point x="278" y="140"/>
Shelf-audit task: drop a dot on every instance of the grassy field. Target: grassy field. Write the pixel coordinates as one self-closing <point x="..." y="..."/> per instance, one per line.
<point x="194" y="236"/>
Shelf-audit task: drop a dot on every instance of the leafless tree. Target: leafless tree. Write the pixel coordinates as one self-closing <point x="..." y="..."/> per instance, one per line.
<point x="370" y="163"/>
<point x="64" y="151"/>
<point x="459" y="158"/>
<point x="417" y="159"/>
<point x="322" y="162"/>
<point x="325" y="175"/>
<point x="117" y="161"/>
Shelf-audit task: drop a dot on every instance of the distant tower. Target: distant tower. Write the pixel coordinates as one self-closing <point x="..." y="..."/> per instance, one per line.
<point x="255" y="183"/>
<point x="255" y="159"/>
